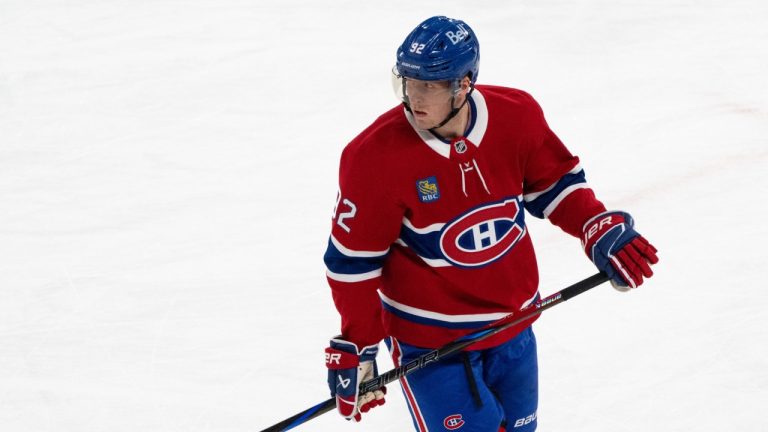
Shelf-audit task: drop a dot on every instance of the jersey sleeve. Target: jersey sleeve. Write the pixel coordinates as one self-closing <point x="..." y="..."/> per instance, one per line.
<point x="366" y="223"/>
<point x="555" y="186"/>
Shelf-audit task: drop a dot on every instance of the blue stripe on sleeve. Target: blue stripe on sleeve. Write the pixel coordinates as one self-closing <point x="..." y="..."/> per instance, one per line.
<point x="339" y="263"/>
<point x="537" y="205"/>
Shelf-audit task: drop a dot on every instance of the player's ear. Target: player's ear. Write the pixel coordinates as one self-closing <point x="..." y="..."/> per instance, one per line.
<point x="465" y="83"/>
<point x="462" y="89"/>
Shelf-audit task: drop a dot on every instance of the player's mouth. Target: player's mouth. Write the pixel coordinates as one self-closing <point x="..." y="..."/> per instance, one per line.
<point x="420" y="114"/>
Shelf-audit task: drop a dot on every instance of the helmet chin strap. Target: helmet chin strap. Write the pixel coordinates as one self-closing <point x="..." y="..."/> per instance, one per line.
<point x="454" y="111"/>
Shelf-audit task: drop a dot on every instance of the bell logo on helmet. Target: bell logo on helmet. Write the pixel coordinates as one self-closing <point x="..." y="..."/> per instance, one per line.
<point x="457" y="37"/>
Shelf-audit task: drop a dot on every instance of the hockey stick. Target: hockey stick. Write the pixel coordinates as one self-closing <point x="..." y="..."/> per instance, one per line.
<point x="448" y="349"/>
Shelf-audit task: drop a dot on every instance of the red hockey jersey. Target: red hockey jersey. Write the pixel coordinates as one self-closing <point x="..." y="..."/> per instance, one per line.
<point x="429" y="238"/>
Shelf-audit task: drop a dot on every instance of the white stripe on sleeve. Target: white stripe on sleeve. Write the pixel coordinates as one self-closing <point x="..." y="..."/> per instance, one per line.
<point x="357" y="254"/>
<point x="567" y="191"/>
<point x="353" y="277"/>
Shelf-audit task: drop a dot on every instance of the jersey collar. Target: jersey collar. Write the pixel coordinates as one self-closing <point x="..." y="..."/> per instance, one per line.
<point x="476" y="133"/>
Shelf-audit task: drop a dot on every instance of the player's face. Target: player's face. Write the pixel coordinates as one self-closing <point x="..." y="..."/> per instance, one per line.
<point x="430" y="101"/>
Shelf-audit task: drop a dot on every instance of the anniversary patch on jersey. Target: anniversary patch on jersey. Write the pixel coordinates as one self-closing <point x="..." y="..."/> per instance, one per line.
<point x="483" y="234"/>
<point x="428" y="190"/>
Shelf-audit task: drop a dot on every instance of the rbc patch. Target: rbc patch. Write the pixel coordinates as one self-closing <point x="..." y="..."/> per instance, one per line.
<point x="428" y="190"/>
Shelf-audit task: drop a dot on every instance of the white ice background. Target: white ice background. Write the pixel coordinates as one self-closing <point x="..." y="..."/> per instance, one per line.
<point x="168" y="171"/>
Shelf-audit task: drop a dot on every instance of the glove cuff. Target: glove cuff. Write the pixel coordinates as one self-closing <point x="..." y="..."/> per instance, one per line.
<point x="627" y="218"/>
<point x="609" y="229"/>
<point x="366" y="353"/>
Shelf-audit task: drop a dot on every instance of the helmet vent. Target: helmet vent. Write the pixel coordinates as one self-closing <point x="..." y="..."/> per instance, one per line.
<point x="437" y="67"/>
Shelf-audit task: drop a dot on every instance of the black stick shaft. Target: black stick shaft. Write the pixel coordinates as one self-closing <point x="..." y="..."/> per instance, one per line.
<point x="448" y="349"/>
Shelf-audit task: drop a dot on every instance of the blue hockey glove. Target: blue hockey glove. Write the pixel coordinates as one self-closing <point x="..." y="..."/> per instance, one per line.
<point x="349" y="366"/>
<point x="611" y="242"/>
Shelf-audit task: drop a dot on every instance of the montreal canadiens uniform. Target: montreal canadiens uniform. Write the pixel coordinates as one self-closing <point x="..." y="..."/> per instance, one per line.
<point x="429" y="239"/>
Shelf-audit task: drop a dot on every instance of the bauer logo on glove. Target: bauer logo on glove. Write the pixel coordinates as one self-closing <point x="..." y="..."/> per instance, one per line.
<point x="611" y="242"/>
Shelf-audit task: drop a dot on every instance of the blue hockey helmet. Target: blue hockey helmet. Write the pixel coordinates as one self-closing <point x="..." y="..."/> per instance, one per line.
<point x="439" y="49"/>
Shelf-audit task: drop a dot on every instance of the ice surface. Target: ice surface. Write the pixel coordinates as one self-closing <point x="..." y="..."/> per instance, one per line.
<point x="168" y="169"/>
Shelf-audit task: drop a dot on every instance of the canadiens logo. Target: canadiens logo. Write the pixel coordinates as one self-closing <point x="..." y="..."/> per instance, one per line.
<point x="482" y="235"/>
<point x="453" y="422"/>
<point x="428" y="190"/>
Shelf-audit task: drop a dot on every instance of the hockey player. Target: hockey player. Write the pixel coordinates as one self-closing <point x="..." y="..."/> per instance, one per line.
<point x="429" y="239"/>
